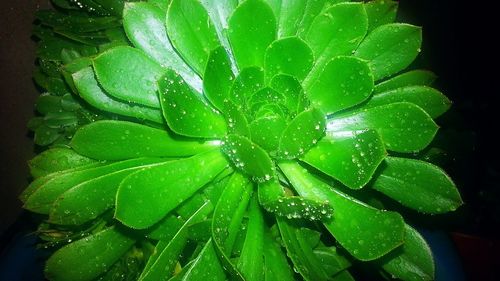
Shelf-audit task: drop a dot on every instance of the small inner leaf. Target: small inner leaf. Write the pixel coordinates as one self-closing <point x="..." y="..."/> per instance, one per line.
<point x="290" y="56"/>
<point x="218" y="78"/>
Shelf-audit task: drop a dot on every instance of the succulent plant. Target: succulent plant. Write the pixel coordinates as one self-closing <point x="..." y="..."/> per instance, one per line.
<point x="241" y="140"/>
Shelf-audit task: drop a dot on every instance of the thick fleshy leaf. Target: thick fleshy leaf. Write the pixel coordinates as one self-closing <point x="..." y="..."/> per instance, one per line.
<point x="114" y="7"/>
<point x="248" y="81"/>
<point x="236" y="121"/>
<point x="332" y="260"/>
<point x="113" y="140"/>
<point x="390" y="48"/>
<point x="205" y="266"/>
<point x="404" y="127"/>
<point x="191" y="32"/>
<point x="413" y="261"/>
<point x="88" y="200"/>
<point x="410" y="78"/>
<point x="252" y="27"/>
<point x="265" y="96"/>
<point x="336" y="31"/>
<point x="89" y="257"/>
<point x="218" y="78"/>
<point x="89" y="89"/>
<point x="128" y="74"/>
<point x="349" y="157"/>
<point x="41" y="200"/>
<point x="365" y="232"/>
<point x="290" y="87"/>
<point x="145" y="27"/>
<point x="311" y="11"/>
<point x="79" y="24"/>
<point x="146" y="196"/>
<point x="248" y="157"/>
<point x="290" y="56"/>
<point x="418" y="185"/>
<point x="275" y="262"/>
<point x="219" y="12"/>
<point x="302" y="133"/>
<point x="266" y="131"/>
<point x="55" y="160"/>
<point x="289" y="14"/>
<point x="251" y="260"/>
<point x="427" y="98"/>
<point x="380" y="12"/>
<point x="186" y="112"/>
<point x="343" y="83"/>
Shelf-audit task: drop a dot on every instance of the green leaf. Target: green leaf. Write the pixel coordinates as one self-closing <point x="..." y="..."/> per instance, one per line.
<point x="252" y="27"/>
<point x="235" y="119"/>
<point x="410" y="78"/>
<point x="251" y="261"/>
<point x="349" y="157"/>
<point x="75" y="23"/>
<point x="46" y="103"/>
<point x="413" y="261"/>
<point x="248" y="157"/>
<point x="89" y="257"/>
<point x="205" y="266"/>
<point x="289" y="14"/>
<point x="88" y="88"/>
<point x="266" y="131"/>
<point x="390" y="48"/>
<point x="145" y="27"/>
<point x="332" y="261"/>
<point x="311" y="10"/>
<point x="128" y="74"/>
<point x="343" y="83"/>
<point x="112" y="140"/>
<point x="114" y="7"/>
<point x="219" y="12"/>
<point x="365" y="232"/>
<point x="380" y="12"/>
<point x="146" y="196"/>
<point x="90" y="199"/>
<point x="41" y="200"/>
<point x="429" y="99"/>
<point x="336" y="31"/>
<point x="290" y="87"/>
<point x="248" y="81"/>
<point x="265" y="96"/>
<point x="275" y="262"/>
<point x="191" y="32"/>
<point x="302" y="133"/>
<point x="418" y="185"/>
<point x="218" y="78"/>
<point x="290" y="56"/>
<point x="404" y="127"/>
<point x="186" y="112"/>
<point x="55" y="160"/>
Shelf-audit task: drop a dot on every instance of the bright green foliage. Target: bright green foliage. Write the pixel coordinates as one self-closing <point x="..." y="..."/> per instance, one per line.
<point x="232" y="140"/>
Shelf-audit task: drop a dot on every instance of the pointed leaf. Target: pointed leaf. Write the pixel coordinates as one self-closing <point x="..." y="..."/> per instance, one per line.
<point x="145" y="27"/>
<point x="128" y="74"/>
<point x="55" y="160"/>
<point x="275" y="262"/>
<point x="112" y="140"/>
<point x="410" y="78"/>
<point x="404" y="127"/>
<point x="343" y="83"/>
<point x="252" y="27"/>
<point x="290" y="56"/>
<point x="380" y="12"/>
<point x="349" y="157"/>
<point x="365" y="232"/>
<point x="146" y="196"/>
<point x="218" y="78"/>
<point x="206" y="266"/>
<point x="390" y="48"/>
<point x="186" y="112"/>
<point x="191" y="32"/>
<point x="429" y="99"/>
<point x="418" y="185"/>
<point x="302" y="133"/>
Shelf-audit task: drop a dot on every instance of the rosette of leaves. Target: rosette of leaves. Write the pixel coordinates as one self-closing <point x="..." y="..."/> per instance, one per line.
<point x="241" y="140"/>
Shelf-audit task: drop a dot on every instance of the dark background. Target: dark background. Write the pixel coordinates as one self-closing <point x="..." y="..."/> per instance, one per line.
<point x="458" y="46"/>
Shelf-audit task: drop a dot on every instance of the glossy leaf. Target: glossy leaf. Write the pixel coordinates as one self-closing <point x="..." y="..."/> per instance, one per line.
<point x="89" y="257"/>
<point x="191" y="32"/>
<point x="275" y="262"/>
<point x="55" y="160"/>
<point x="290" y="87"/>
<point x="112" y="140"/>
<point x="350" y="157"/>
<point x="219" y="12"/>
<point x="146" y="196"/>
<point x="248" y="157"/>
<point x="311" y="10"/>
<point x="145" y="27"/>
<point x="218" y="78"/>
<point x="128" y="74"/>
<point x="343" y="83"/>
<point x="404" y="127"/>
<point x="365" y="232"/>
<point x="390" y="48"/>
<point x="266" y="131"/>
<point x="88" y="88"/>
<point x="418" y="185"/>
<point x="290" y="56"/>
<point x="289" y="14"/>
<point x="265" y="96"/>
<point x="380" y="12"/>
<point x="186" y="112"/>
<point x="235" y="119"/>
<point x="410" y="78"/>
<point x="249" y="81"/>
<point x="336" y="31"/>
<point x="205" y="266"/>
<point x="302" y="133"/>
<point x="429" y="99"/>
<point x="252" y="27"/>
